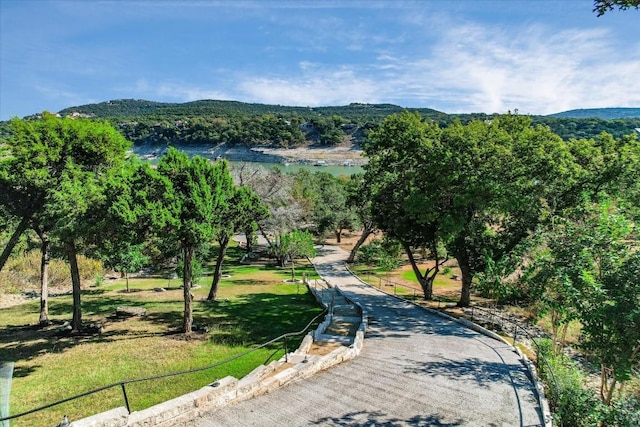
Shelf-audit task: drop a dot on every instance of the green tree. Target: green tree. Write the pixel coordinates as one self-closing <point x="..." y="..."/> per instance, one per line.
<point x="68" y="206"/>
<point x="399" y="196"/>
<point x="53" y="174"/>
<point x="359" y="200"/>
<point x="127" y="259"/>
<point x="241" y="213"/>
<point x="197" y="187"/>
<point x="135" y="204"/>
<point x="604" y="6"/>
<point x="590" y="274"/>
<point x="478" y="188"/>
<point x="296" y="244"/>
<point x="325" y="199"/>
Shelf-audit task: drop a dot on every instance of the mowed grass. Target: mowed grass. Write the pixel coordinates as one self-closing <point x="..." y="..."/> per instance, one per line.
<point x="254" y="305"/>
<point x="403" y="281"/>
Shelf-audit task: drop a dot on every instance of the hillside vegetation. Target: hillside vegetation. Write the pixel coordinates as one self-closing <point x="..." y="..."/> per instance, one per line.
<point x="600" y="113"/>
<point x="213" y="122"/>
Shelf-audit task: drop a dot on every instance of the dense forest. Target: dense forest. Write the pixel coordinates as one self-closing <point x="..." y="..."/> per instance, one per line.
<point x="214" y="122"/>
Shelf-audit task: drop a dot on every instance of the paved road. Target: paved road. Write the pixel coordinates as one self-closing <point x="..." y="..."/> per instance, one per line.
<point x="416" y="369"/>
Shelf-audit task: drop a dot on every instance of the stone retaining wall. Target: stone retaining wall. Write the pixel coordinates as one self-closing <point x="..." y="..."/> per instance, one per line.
<point x="182" y="410"/>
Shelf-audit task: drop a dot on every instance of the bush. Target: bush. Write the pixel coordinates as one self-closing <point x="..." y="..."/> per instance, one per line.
<point x="571" y="402"/>
<point x="22" y="272"/>
<point x="383" y="253"/>
<point x="368" y="254"/>
<point x="623" y="413"/>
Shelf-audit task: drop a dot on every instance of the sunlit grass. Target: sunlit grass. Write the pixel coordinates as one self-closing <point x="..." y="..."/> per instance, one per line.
<point x="403" y="281"/>
<point x="440" y="280"/>
<point x="254" y="305"/>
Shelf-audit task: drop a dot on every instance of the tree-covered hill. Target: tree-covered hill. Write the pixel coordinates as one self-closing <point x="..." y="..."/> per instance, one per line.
<point x="599" y="113"/>
<point x="131" y="108"/>
<point x="211" y="122"/>
<point x="215" y="121"/>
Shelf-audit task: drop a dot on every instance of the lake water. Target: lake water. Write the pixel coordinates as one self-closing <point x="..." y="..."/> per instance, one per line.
<point x="335" y="170"/>
<point x="291" y="168"/>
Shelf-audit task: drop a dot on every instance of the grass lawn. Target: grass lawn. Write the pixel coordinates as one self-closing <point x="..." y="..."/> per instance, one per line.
<point x="403" y="281"/>
<point x="254" y="305"/>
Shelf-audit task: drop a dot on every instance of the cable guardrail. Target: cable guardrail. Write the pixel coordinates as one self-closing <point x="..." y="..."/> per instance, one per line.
<point x="122" y="384"/>
<point x="524" y="332"/>
<point x="382" y="282"/>
<point x="517" y="329"/>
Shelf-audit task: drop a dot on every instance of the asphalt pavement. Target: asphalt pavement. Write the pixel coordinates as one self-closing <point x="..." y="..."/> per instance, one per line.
<point x="415" y="369"/>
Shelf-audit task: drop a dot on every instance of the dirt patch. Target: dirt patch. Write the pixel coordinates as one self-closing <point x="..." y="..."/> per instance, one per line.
<point x="336" y="155"/>
<point x="323" y="348"/>
<point x="28" y="294"/>
<point x="279" y="369"/>
<point x="346" y="152"/>
<point x="10" y="300"/>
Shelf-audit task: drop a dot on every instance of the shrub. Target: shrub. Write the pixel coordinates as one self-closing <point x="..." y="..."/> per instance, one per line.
<point x="368" y="254"/>
<point x="622" y="413"/>
<point x="22" y="272"/>
<point x="383" y="253"/>
<point x="571" y="402"/>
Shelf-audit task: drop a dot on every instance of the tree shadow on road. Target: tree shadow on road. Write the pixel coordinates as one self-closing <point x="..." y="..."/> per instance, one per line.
<point x="480" y="372"/>
<point x="379" y="418"/>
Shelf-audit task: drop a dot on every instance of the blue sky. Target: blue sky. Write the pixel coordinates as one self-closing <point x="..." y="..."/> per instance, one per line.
<point x="537" y="56"/>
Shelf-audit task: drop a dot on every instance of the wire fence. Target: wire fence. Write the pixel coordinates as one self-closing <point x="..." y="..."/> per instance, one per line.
<point x="123" y="384"/>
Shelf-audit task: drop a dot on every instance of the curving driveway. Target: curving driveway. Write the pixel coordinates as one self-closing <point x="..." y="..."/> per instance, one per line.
<point x="415" y="369"/>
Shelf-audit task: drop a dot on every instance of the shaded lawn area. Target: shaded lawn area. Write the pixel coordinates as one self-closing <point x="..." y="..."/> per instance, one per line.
<point x="254" y="305"/>
<point x="403" y="281"/>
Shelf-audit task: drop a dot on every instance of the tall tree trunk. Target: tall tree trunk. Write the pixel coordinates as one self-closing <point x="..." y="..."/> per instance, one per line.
<point x="426" y="280"/>
<point x="363" y="237"/>
<point x="126" y="279"/>
<point x="217" y="273"/>
<point x="249" y="236"/>
<point x="467" y="278"/>
<point x="187" y="321"/>
<point x="13" y="241"/>
<point x="339" y="236"/>
<point x="44" y="278"/>
<point x="266" y="237"/>
<point x="76" y="323"/>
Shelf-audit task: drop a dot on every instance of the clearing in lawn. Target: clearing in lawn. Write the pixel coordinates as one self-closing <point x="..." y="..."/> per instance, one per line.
<point x="254" y="306"/>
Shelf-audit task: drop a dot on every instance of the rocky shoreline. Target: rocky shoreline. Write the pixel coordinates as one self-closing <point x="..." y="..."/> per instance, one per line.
<point x="342" y="155"/>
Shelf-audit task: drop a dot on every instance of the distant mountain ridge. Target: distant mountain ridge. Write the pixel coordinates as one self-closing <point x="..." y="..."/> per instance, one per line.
<point x="599" y="113"/>
<point x="218" y="121"/>
<point x="123" y="108"/>
<point x="120" y="108"/>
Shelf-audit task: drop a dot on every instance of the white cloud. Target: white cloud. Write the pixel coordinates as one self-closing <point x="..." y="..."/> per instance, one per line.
<point x="313" y="86"/>
<point x="173" y="91"/>
<point x="473" y="68"/>
<point x="533" y="70"/>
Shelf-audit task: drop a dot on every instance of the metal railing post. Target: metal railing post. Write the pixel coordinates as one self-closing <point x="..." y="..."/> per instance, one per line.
<point x="172" y="374"/>
<point x="126" y="399"/>
<point x="286" y="356"/>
